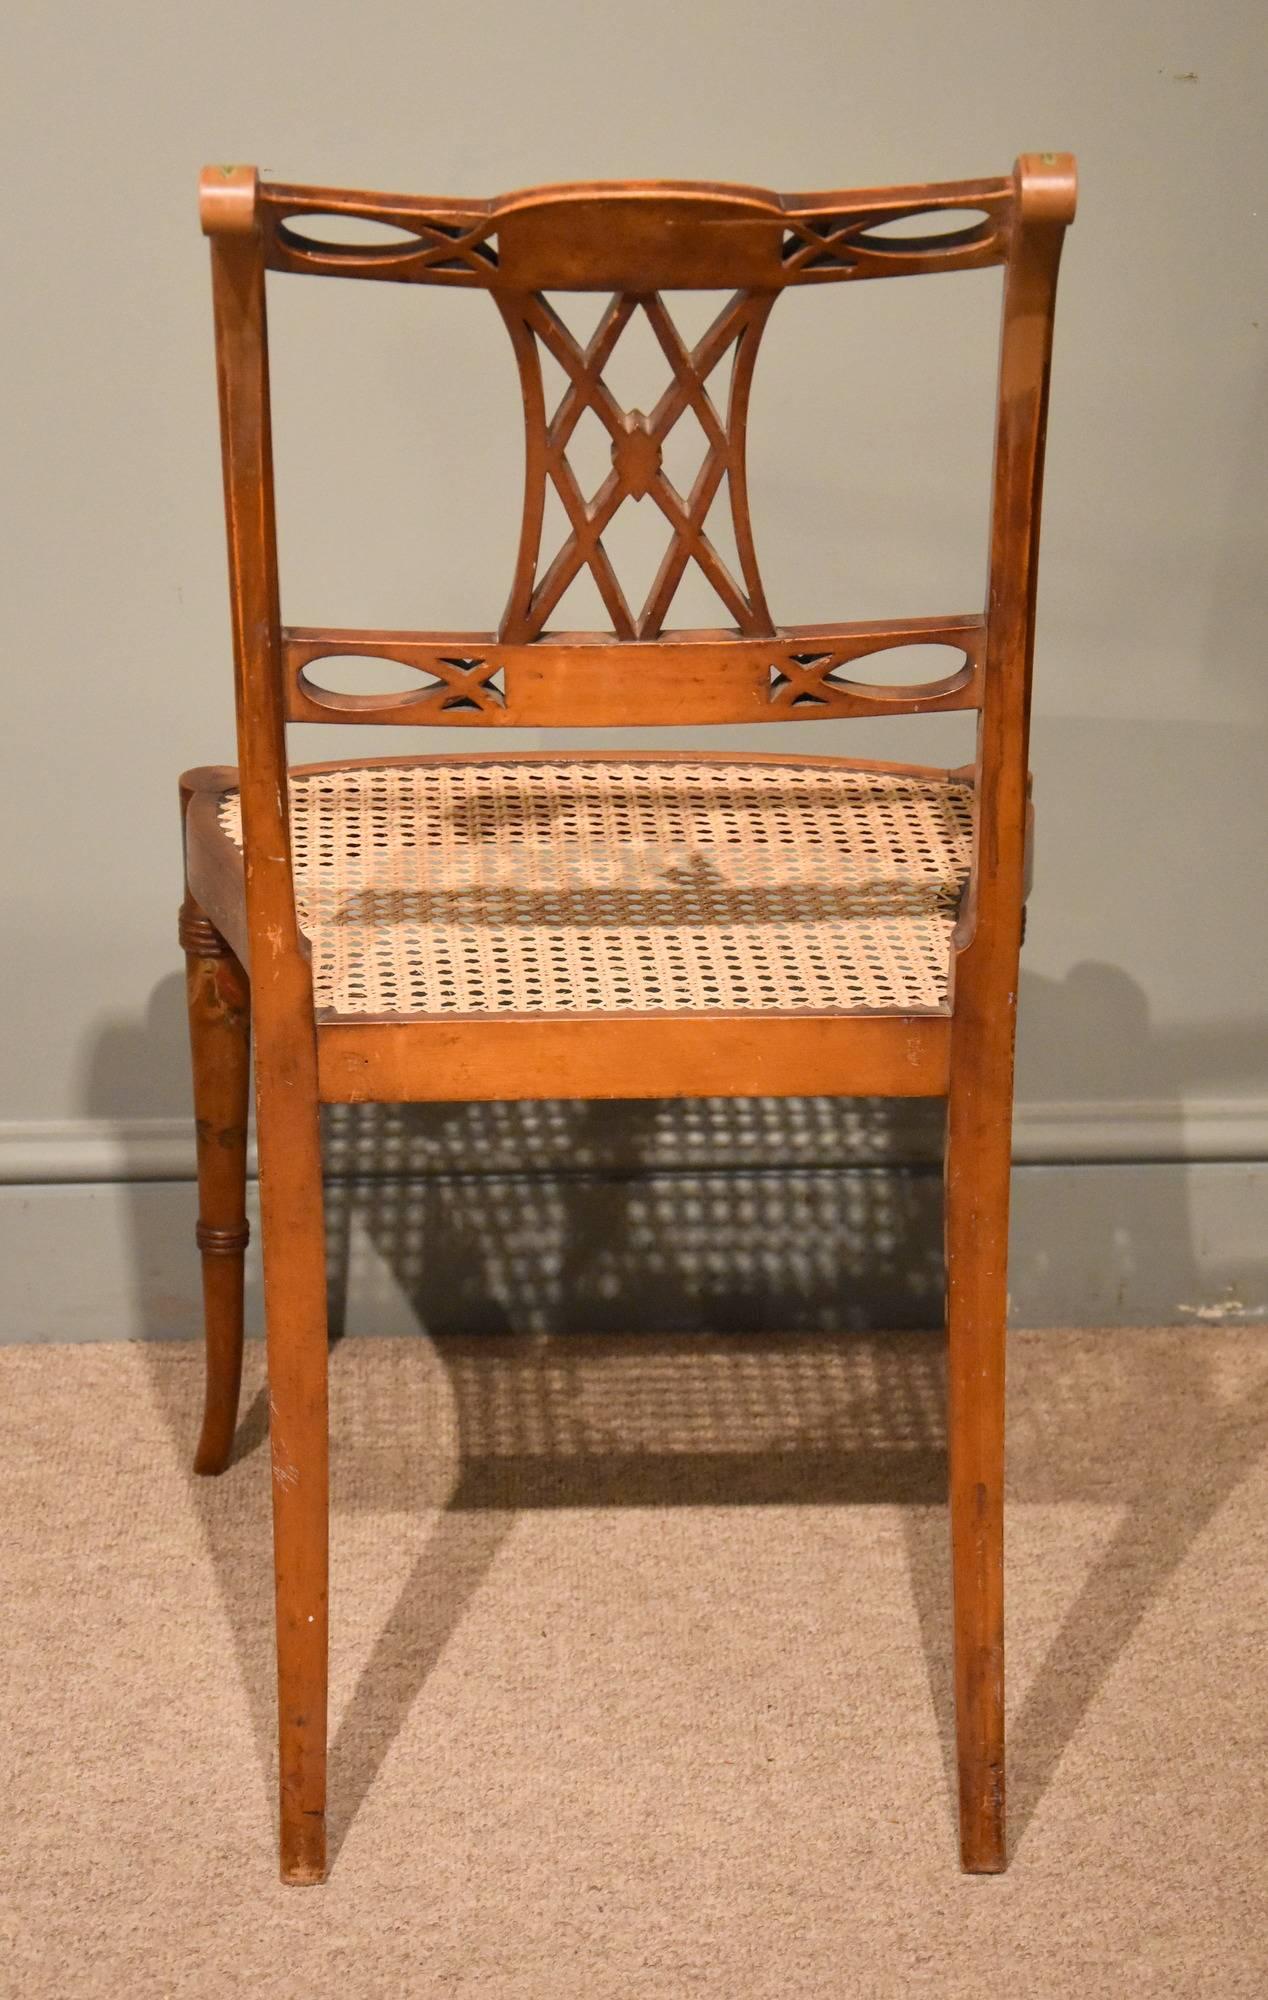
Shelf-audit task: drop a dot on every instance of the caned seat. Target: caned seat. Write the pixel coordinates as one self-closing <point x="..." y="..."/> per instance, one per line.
<point x="495" y="924"/>
<point x="581" y="884"/>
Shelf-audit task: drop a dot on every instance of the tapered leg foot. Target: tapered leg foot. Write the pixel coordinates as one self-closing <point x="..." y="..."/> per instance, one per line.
<point x="223" y="1256"/>
<point x="295" y="1311"/>
<point x="977" y="1549"/>
<point x="303" y="1862"/>
<point x="220" y="1045"/>
<point x="977" y="1542"/>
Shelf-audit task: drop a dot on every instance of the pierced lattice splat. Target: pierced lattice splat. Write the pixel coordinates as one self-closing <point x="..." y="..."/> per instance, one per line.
<point x="638" y="470"/>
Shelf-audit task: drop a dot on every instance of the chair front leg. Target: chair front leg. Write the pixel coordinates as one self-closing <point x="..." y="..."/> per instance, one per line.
<point x="219" y="1004"/>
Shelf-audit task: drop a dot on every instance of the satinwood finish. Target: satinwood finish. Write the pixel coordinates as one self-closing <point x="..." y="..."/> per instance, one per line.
<point x="635" y="242"/>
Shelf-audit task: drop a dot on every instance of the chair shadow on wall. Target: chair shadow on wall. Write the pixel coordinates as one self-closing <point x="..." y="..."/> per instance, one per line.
<point x="672" y="1305"/>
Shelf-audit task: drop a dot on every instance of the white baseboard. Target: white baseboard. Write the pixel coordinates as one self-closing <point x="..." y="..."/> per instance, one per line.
<point x="1124" y="1212"/>
<point x="1111" y="1129"/>
<point x="88" y="1150"/>
<point x="91" y="1150"/>
<point x="1091" y="1245"/>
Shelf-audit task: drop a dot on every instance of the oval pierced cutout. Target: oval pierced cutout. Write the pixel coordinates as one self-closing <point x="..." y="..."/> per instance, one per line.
<point x="917" y="671"/>
<point x="363" y="674"/>
<point x="345" y="683"/>
<point x="929" y="229"/>
<point x="354" y="235"/>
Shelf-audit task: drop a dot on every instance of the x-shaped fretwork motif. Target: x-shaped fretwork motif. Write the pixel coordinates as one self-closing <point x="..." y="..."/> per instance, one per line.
<point x="637" y="469"/>
<point x="470" y="684"/>
<point x="825" y="242"/>
<point x="447" y="244"/>
<point x="804" y="680"/>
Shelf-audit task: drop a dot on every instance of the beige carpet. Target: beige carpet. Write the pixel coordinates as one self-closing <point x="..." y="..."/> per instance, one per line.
<point x="640" y="1676"/>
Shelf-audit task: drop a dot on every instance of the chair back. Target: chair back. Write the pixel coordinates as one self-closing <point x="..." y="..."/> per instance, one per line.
<point x="636" y="242"/>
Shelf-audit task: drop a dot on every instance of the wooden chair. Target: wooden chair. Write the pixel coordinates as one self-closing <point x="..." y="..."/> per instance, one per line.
<point x="509" y="925"/>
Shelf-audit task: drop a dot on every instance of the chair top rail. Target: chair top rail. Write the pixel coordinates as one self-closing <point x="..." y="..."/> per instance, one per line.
<point x="619" y="235"/>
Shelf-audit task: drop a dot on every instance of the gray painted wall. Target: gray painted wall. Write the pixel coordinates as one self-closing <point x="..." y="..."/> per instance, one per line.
<point x="1143" y="1030"/>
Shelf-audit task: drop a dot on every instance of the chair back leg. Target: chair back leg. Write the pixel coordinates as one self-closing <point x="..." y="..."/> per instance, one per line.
<point x="293" y="1242"/>
<point x="978" y="1150"/>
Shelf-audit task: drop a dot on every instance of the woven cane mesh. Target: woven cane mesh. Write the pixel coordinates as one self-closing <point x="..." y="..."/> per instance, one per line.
<point x="578" y="886"/>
